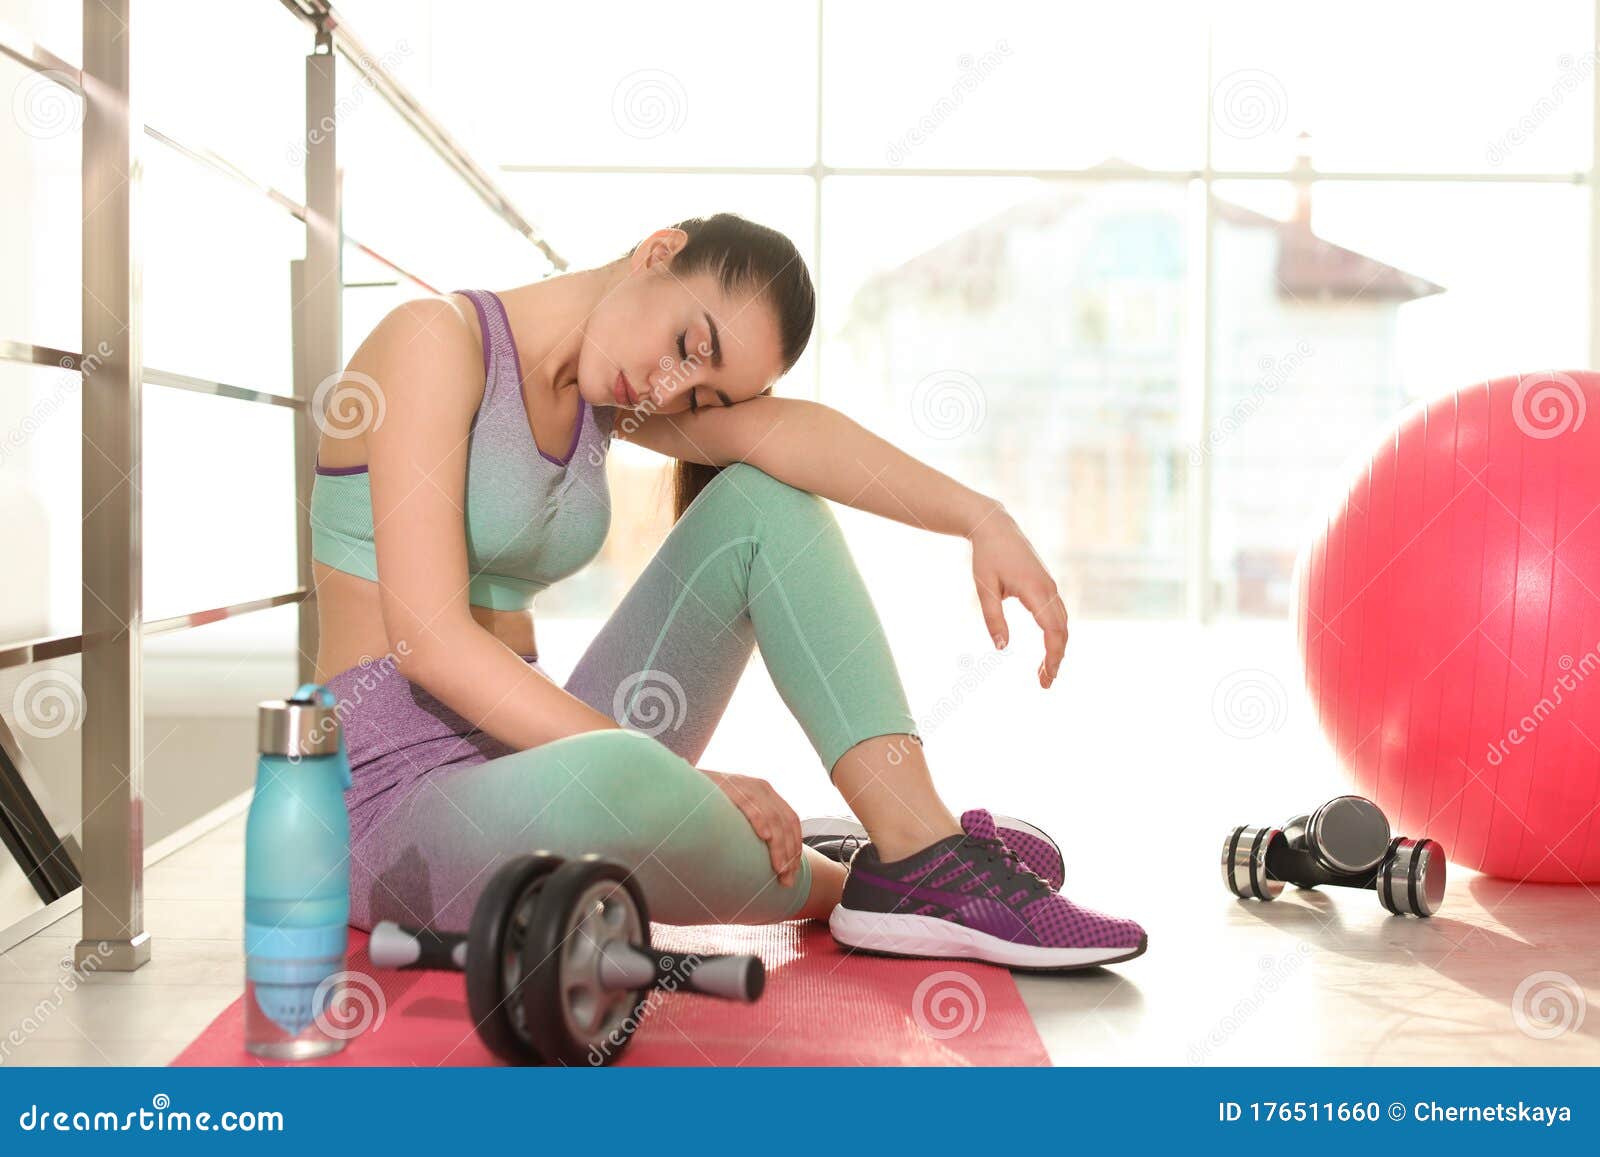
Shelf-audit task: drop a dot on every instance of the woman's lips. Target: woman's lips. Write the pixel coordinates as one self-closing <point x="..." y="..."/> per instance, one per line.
<point x="623" y="392"/>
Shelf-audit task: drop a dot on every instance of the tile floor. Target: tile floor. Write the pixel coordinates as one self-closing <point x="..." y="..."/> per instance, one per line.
<point x="1127" y="763"/>
<point x="1309" y="979"/>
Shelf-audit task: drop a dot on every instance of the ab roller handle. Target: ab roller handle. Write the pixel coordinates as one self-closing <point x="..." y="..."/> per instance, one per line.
<point x="730" y="977"/>
<point x="392" y="946"/>
<point x="621" y="967"/>
<point x="558" y="961"/>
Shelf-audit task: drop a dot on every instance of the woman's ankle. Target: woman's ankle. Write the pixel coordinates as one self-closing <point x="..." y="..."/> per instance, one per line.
<point x="900" y="840"/>
<point x="891" y="792"/>
<point x="827" y="886"/>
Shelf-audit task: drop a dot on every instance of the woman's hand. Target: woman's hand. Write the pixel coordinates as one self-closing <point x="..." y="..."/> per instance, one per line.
<point x="773" y="819"/>
<point x="1005" y="565"/>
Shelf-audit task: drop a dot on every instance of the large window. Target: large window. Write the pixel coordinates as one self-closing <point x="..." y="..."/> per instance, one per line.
<point x="1152" y="273"/>
<point x="1075" y="254"/>
<point x="1104" y="262"/>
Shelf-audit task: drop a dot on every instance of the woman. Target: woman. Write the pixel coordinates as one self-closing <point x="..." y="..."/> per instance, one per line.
<point x="480" y="480"/>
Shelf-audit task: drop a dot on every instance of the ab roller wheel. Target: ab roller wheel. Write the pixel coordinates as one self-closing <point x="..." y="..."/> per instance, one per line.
<point x="559" y="965"/>
<point x="572" y="1000"/>
<point x="499" y="929"/>
<point x="558" y="961"/>
<point x="1344" y="843"/>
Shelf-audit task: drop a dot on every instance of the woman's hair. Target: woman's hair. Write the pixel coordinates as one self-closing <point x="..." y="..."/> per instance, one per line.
<point x="744" y="256"/>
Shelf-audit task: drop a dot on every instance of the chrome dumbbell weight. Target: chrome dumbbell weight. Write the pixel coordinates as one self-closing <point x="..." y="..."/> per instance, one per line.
<point x="1344" y="843"/>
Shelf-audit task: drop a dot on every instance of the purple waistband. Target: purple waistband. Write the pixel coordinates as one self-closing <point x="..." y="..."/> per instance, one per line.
<point x="364" y="666"/>
<point x="381" y="711"/>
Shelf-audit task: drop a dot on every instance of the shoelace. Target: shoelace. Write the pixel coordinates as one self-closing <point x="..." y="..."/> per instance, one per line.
<point x="995" y="849"/>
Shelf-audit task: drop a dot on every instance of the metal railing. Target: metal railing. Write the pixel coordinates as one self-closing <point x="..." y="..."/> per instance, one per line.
<point x="62" y="646"/>
<point x="322" y="16"/>
<point x="112" y="594"/>
<point x="110" y="644"/>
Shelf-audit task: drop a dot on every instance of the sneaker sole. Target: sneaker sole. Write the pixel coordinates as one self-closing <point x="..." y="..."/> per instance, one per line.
<point x="928" y="937"/>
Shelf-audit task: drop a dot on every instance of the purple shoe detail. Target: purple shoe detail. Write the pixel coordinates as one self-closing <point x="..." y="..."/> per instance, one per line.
<point x="970" y="897"/>
<point x="1055" y="920"/>
<point x="838" y="837"/>
<point x="1037" y="852"/>
<point x="995" y="919"/>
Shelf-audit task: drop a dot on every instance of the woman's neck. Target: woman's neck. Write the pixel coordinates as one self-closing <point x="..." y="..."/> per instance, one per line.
<point x="547" y="323"/>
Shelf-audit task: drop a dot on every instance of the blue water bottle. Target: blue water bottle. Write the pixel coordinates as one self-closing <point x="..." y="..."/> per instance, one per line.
<point x="297" y="879"/>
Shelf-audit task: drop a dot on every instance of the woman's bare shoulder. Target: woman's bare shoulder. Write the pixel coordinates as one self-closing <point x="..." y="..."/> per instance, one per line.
<point x="436" y="328"/>
<point x="422" y="366"/>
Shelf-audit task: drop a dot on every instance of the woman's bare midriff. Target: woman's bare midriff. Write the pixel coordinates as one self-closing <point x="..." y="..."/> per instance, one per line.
<point x="350" y="623"/>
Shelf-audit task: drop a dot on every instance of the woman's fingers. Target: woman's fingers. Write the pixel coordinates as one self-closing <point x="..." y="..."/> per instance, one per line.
<point x="775" y="823"/>
<point x="793" y="847"/>
<point x="1051" y="615"/>
<point x="772" y="834"/>
<point x="783" y="838"/>
<point x="994" y="616"/>
<point x="780" y="859"/>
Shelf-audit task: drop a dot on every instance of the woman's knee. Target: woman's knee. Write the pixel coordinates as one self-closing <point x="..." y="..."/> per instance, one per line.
<point x="751" y="490"/>
<point x="616" y="793"/>
<point x="622" y="786"/>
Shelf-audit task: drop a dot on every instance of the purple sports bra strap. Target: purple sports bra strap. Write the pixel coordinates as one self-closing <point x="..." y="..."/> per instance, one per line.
<point x="499" y="351"/>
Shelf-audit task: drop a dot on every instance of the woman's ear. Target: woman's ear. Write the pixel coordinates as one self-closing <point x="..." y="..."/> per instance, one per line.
<point x="659" y="248"/>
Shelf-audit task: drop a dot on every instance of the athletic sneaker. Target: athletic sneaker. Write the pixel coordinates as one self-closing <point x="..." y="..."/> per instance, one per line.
<point x="967" y="897"/>
<point x="838" y="838"/>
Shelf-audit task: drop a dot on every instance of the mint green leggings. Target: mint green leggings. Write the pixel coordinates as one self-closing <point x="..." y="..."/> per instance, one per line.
<point x="753" y="562"/>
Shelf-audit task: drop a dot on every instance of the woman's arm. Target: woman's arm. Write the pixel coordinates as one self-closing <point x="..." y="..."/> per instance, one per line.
<point x="426" y="364"/>
<point x="815" y="448"/>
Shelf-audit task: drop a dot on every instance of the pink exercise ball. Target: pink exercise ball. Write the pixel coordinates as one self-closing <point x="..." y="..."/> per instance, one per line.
<point x="1449" y="620"/>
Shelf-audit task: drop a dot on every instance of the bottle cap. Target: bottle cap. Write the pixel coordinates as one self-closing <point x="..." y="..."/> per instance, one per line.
<point x="302" y="725"/>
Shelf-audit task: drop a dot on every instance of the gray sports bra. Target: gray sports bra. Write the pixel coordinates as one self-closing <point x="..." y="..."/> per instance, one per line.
<point x="530" y="519"/>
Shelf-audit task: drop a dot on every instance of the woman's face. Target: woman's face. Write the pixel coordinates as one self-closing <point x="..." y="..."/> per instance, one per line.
<point x="661" y="343"/>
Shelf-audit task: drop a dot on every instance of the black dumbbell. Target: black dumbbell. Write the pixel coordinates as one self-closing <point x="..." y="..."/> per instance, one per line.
<point x="1344" y="837"/>
<point x="1344" y="843"/>
<point x="558" y="961"/>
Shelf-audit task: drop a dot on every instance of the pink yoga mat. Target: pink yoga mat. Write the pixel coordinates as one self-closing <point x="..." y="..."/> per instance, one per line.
<point x="822" y="1006"/>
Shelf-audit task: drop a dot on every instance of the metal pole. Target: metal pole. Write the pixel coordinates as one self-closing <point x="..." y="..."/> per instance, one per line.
<point x="113" y="732"/>
<point x="816" y="224"/>
<point x="1594" y="216"/>
<point x="1199" y="489"/>
<point x="1098" y="174"/>
<point x="316" y="283"/>
<point x="321" y="15"/>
